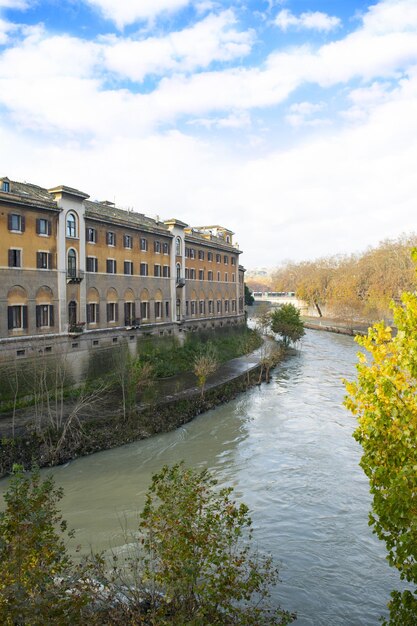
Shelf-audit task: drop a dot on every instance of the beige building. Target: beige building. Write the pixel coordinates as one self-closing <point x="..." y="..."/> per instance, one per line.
<point x="76" y="269"/>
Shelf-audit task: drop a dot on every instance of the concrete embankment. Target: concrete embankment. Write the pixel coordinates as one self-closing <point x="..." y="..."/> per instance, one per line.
<point x="341" y="327"/>
<point x="177" y="401"/>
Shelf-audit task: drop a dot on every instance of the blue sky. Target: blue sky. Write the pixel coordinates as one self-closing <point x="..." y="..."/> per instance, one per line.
<point x="292" y="122"/>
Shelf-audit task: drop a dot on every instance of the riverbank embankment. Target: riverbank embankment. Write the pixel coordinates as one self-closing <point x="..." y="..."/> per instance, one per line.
<point x="176" y="401"/>
<point x="338" y="326"/>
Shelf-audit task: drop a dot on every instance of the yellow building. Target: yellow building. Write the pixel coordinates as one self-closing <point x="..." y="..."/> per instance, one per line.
<point x="72" y="267"/>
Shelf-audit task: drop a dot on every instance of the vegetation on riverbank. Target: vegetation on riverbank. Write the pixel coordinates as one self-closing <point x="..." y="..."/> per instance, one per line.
<point x="192" y="562"/>
<point x="384" y="398"/>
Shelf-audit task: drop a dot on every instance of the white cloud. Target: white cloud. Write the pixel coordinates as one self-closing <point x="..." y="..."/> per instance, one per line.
<point x="124" y="12"/>
<point x="391" y="16"/>
<point x="14" y="4"/>
<point x="311" y="20"/>
<point x="301" y="113"/>
<point x="212" y="39"/>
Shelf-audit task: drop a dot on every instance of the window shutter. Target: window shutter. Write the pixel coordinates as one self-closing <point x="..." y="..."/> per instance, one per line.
<point x="116" y="311"/>
<point x="51" y="315"/>
<point x="38" y="316"/>
<point x="50" y="262"/>
<point x="98" y="312"/>
<point x="127" y="320"/>
<point x="108" y="311"/>
<point x="133" y="310"/>
<point x="38" y="260"/>
<point x="25" y="316"/>
<point x="9" y="221"/>
<point x="115" y="267"/>
<point x="88" y="313"/>
<point x="10" y="258"/>
<point x="49" y="227"/>
<point x="38" y="226"/>
<point x="23" y="225"/>
<point x="10" y="317"/>
<point x="108" y="266"/>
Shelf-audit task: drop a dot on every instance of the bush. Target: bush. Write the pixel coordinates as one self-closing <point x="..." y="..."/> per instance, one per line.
<point x="286" y="321"/>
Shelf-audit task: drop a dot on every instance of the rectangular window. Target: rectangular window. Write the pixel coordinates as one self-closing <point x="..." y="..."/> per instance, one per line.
<point x="111" y="266"/>
<point x="143" y="269"/>
<point x="218" y="258"/>
<point x="92" y="264"/>
<point x="91" y="235"/>
<point x="192" y="253"/>
<point x="144" y="310"/>
<point x="112" y="311"/>
<point x="16" y="222"/>
<point x="202" y="307"/>
<point x="187" y="308"/>
<point x="187" y="273"/>
<point x="233" y="278"/>
<point x="165" y="248"/>
<point x="157" y="247"/>
<point x="200" y="274"/>
<point x="210" y="307"/>
<point x="110" y="238"/>
<point x="5" y="186"/>
<point x="233" y="260"/>
<point x="218" y="276"/>
<point x="128" y="268"/>
<point x="201" y="255"/>
<point x="92" y="313"/>
<point x="233" y="306"/>
<point x="209" y="256"/>
<point x="130" y="313"/>
<point x="226" y="277"/>
<point x="209" y="275"/>
<point x="17" y="317"/>
<point x="187" y="253"/>
<point x="167" y="309"/>
<point x="158" y="310"/>
<point x="44" y="315"/>
<point x="44" y="260"/>
<point x="127" y="241"/>
<point x="226" y="259"/>
<point x="192" y="274"/>
<point x="219" y="306"/>
<point x="166" y="271"/>
<point x="193" y="308"/>
<point x="15" y="258"/>
<point x="43" y="227"/>
<point x="157" y="271"/>
<point x="226" y="306"/>
<point x="144" y="244"/>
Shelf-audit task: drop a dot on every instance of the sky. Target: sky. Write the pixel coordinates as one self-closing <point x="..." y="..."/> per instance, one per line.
<point x="291" y="122"/>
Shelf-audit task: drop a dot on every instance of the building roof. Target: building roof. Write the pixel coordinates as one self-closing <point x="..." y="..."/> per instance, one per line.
<point x="107" y="211"/>
<point x="24" y="193"/>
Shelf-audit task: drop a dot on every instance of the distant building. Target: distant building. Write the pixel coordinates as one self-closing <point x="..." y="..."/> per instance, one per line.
<point x="72" y="267"/>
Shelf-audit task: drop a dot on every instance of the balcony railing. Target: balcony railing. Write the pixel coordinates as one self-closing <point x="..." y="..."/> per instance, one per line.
<point x="74" y="277"/>
<point x="180" y="282"/>
<point x="77" y="328"/>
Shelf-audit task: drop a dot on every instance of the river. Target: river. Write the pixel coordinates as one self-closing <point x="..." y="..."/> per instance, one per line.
<point x="288" y="450"/>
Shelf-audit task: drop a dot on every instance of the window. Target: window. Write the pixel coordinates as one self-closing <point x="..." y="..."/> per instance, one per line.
<point x="187" y="273"/>
<point x="226" y="277"/>
<point x="201" y="255"/>
<point x="165" y="247"/>
<point x="226" y="259"/>
<point x="72" y="263"/>
<point x="158" y="310"/>
<point x="144" y="310"/>
<point x="91" y="235"/>
<point x="92" y="313"/>
<point x="15" y="258"/>
<point x="157" y="271"/>
<point x="178" y="246"/>
<point x="127" y="241"/>
<point x="17" y="317"/>
<point x="187" y="308"/>
<point x="130" y="313"/>
<point x="16" y="222"/>
<point x="128" y="268"/>
<point x="143" y="269"/>
<point x="157" y="247"/>
<point x="187" y="253"/>
<point x="44" y="315"/>
<point x="233" y="260"/>
<point x="219" y="306"/>
<point x="200" y="274"/>
<point x="209" y="256"/>
<point x="218" y="276"/>
<point x="193" y="303"/>
<point x="192" y="274"/>
<point x="202" y="307"/>
<point x="178" y="268"/>
<point x="226" y="306"/>
<point x="111" y="266"/>
<point x="71" y="225"/>
<point x="233" y="306"/>
<point x="112" y="311"/>
<point x="218" y="258"/>
<point x="210" y="307"/>
<point x="92" y="264"/>
<point x="5" y="186"/>
<point x="178" y="309"/>
<point x="166" y="271"/>
<point x="167" y="308"/>
<point x="110" y="238"/>
<point x="192" y="253"/>
<point x="43" y="227"/>
<point x="209" y="275"/>
<point x="233" y="278"/>
<point x="144" y="244"/>
<point x="44" y="260"/>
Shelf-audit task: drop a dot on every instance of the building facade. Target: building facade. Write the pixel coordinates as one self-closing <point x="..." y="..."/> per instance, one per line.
<point x="73" y="268"/>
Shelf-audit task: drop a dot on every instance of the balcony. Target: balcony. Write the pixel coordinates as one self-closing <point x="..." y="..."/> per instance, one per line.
<point x="74" y="277"/>
<point x="76" y="329"/>
<point x="180" y="282"/>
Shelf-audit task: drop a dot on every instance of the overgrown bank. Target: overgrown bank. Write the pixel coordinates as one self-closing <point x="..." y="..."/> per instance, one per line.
<point x="107" y="424"/>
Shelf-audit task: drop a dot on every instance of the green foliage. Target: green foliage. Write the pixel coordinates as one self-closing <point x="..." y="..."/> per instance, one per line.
<point x="205" y="364"/>
<point x="385" y="400"/>
<point x="198" y="561"/>
<point x="249" y="299"/>
<point x="286" y="321"/>
<point x="38" y="583"/>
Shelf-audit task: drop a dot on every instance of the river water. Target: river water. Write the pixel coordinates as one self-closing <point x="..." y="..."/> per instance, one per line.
<point x="287" y="449"/>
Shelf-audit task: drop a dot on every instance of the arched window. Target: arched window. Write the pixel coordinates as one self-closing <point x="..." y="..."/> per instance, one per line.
<point x="72" y="263"/>
<point x="178" y="271"/>
<point x="178" y="246"/>
<point x="178" y="307"/>
<point x="71" y="225"/>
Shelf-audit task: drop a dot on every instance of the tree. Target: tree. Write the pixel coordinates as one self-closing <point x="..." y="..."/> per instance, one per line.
<point x="263" y="317"/>
<point x="38" y="583"/>
<point x="286" y="321"/>
<point x="198" y="561"/>
<point x="249" y="299"/>
<point x="384" y="398"/>
<point x="205" y="364"/>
